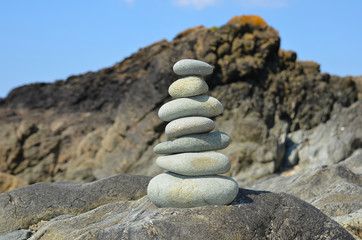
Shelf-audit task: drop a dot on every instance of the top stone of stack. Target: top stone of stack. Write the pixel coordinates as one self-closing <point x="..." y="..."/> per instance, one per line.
<point x="192" y="67"/>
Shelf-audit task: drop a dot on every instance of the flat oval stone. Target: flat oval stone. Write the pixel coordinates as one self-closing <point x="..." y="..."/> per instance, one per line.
<point x="203" y="105"/>
<point x="192" y="67"/>
<point x="189" y="125"/>
<point x="194" y="143"/>
<point x="173" y="190"/>
<point x="188" y="87"/>
<point x="195" y="164"/>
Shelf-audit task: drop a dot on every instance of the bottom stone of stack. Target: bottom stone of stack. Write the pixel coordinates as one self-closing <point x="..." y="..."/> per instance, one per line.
<point x="173" y="190"/>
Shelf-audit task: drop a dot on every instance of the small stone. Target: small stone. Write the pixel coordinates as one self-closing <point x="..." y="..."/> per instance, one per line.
<point x="173" y="190"/>
<point x="193" y="164"/>
<point x="194" y="143"/>
<point x="192" y="67"/>
<point x="203" y="105"/>
<point x="188" y="87"/>
<point x="188" y="125"/>
<point x="19" y="234"/>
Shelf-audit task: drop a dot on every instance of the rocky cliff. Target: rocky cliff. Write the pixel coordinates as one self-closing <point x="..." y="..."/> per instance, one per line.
<point x="101" y="123"/>
<point x="282" y="114"/>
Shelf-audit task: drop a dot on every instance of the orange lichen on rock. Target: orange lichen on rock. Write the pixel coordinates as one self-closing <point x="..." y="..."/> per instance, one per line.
<point x="245" y="19"/>
<point x="188" y="31"/>
<point x="292" y="171"/>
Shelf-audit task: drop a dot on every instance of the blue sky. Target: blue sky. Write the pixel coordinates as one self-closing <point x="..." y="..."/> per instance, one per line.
<point x="48" y="40"/>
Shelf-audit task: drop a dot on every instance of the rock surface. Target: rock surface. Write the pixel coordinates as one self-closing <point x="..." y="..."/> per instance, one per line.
<point x="188" y="125"/>
<point x="18" y="235"/>
<point x="193" y="164"/>
<point x="9" y="182"/>
<point x="192" y="67"/>
<point x="194" y="143"/>
<point x="252" y="215"/>
<point x="335" y="140"/>
<point x="28" y="205"/>
<point x="188" y="87"/>
<point x="174" y="190"/>
<point x="203" y="105"/>
<point x="335" y="189"/>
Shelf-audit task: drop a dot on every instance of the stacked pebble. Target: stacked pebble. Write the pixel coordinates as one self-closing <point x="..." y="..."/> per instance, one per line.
<point x="193" y="164"/>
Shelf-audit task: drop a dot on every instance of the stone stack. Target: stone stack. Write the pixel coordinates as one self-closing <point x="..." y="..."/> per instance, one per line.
<point x="191" y="159"/>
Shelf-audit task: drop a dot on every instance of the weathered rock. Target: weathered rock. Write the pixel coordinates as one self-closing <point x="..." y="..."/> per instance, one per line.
<point x="189" y="125"/>
<point x="311" y="186"/>
<point x="194" y="143"/>
<point x="294" y="142"/>
<point x="18" y="235"/>
<point x="335" y="140"/>
<point x="188" y="87"/>
<point x="193" y="164"/>
<point x="352" y="222"/>
<point x="252" y="215"/>
<point x="10" y="148"/>
<point x="177" y="191"/>
<point x="9" y="182"/>
<point x="336" y="190"/>
<point x="192" y="67"/>
<point x="204" y="106"/>
<point x="353" y="162"/>
<point x="258" y="151"/>
<point x="358" y="81"/>
<point x="99" y="120"/>
<point x="28" y="205"/>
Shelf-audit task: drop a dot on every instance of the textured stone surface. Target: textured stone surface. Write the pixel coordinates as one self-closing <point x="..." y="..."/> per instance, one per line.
<point x="193" y="164"/>
<point x="173" y="190"/>
<point x="353" y="162"/>
<point x="189" y="125"/>
<point x="28" y="205"/>
<point x="252" y="215"/>
<point x="334" y="140"/>
<point x="258" y="151"/>
<point x="192" y="67"/>
<point x="335" y="189"/>
<point x="16" y="235"/>
<point x="352" y="222"/>
<point x="205" y="106"/>
<point x="9" y="182"/>
<point x="188" y="87"/>
<point x="194" y="143"/>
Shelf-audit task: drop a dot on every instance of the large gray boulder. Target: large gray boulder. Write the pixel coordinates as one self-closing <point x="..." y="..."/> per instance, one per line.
<point x="25" y="206"/>
<point x="112" y="209"/>
<point x="335" y="189"/>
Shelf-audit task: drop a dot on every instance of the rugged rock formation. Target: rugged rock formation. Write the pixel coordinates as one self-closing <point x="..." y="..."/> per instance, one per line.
<point x="97" y="124"/>
<point x="281" y="113"/>
<point x="336" y="190"/>
<point x="114" y="208"/>
<point x="330" y="180"/>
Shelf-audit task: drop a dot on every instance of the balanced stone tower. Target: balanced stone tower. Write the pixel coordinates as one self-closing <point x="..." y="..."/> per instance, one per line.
<point x="190" y="157"/>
